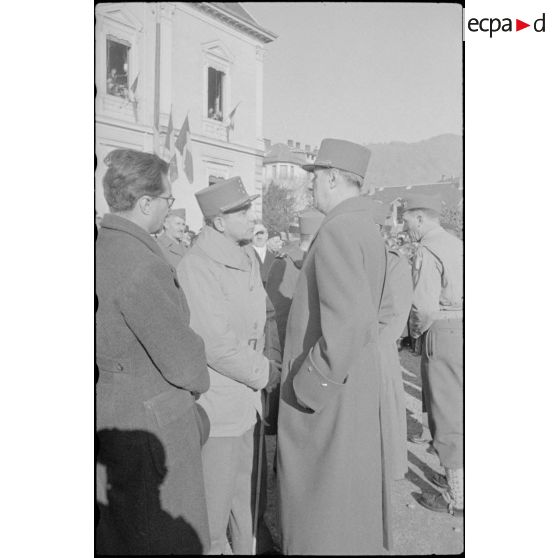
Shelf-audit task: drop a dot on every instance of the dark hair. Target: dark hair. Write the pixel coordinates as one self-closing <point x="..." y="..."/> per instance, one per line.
<point x="130" y="175"/>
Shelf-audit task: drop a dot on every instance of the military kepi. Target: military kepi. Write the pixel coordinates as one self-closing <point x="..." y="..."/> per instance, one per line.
<point x="423" y="202"/>
<point x="180" y="212"/>
<point x="309" y="221"/>
<point x="226" y="196"/>
<point x="343" y="155"/>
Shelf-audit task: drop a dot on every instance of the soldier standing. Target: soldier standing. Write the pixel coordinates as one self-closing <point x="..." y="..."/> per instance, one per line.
<point x="221" y="278"/>
<point x="437" y="316"/>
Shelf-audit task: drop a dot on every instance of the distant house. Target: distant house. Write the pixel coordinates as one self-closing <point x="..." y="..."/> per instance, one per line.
<point x="202" y="59"/>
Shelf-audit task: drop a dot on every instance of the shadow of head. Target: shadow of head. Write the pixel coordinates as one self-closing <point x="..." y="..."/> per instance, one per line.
<point x="132" y="517"/>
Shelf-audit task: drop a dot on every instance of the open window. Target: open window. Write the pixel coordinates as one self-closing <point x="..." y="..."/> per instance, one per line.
<point x="118" y="52"/>
<point x="215" y="83"/>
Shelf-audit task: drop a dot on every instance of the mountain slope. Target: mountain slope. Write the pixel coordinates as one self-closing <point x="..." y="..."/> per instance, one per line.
<point x="403" y="164"/>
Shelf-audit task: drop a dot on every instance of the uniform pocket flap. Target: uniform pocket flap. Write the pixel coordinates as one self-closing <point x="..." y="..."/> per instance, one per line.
<point x="170" y="405"/>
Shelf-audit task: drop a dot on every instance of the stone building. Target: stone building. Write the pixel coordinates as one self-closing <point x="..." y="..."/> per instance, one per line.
<point x="199" y="59"/>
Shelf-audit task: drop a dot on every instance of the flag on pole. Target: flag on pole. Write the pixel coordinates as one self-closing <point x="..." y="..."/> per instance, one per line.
<point x="183" y="144"/>
<point x="169" y="151"/>
<point x="173" y="169"/>
<point x="231" y="117"/>
<point x="132" y="97"/>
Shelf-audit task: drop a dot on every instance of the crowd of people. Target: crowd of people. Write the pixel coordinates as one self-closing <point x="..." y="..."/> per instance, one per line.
<point x="207" y="343"/>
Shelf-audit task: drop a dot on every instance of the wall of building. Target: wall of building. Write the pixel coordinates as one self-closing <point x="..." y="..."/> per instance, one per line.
<point x="190" y="42"/>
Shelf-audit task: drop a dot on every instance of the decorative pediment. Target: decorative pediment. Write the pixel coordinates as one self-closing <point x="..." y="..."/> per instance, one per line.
<point x="218" y="50"/>
<point x="120" y="15"/>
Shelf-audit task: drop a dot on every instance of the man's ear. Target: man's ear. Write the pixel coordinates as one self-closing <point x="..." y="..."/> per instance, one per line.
<point x="144" y="203"/>
<point x="218" y="223"/>
<point x="333" y="175"/>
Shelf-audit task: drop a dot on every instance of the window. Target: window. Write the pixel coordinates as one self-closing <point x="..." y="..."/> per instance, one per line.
<point x="215" y="80"/>
<point x="117" y="67"/>
<point x="292" y="171"/>
<point x="282" y="171"/>
<point x="274" y="171"/>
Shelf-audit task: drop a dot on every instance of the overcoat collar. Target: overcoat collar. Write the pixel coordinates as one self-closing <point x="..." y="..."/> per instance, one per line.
<point x="224" y="251"/>
<point x="431" y="234"/>
<point x="358" y="203"/>
<point x="117" y="223"/>
<point x="171" y="244"/>
<point x="350" y="205"/>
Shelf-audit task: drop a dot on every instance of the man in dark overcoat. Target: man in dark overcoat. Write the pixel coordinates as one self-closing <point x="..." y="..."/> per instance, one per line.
<point x="151" y="368"/>
<point x="333" y="485"/>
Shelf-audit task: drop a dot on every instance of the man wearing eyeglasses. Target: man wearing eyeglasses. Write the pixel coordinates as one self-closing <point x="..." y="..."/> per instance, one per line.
<point x="151" y="369"/>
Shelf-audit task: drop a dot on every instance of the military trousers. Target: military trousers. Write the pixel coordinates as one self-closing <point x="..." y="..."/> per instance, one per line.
<point x="442" y="368"/>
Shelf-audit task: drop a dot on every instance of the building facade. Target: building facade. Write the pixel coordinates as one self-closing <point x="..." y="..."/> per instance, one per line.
<point x="197" y="60"/>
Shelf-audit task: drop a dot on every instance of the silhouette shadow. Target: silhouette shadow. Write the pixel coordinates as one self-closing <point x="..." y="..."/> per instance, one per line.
<point x="131" y="520"/>
<point x="426" y="469"/>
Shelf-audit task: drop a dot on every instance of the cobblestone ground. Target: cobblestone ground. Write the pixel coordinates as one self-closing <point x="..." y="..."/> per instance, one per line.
<point x="416" y="529"/>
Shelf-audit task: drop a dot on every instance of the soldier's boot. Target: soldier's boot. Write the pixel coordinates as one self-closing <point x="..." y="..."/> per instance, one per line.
<point x="451" y="500"/>
<point x="455" y="492"/>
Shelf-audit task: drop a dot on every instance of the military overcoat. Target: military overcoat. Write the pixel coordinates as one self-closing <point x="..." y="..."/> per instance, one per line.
<point x="394" y="312"/>
<point x="332" y="480"/>
<point x="151" y="364"/>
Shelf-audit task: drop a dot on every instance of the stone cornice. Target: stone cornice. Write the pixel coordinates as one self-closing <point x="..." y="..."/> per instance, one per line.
<point x="259" y="33"/>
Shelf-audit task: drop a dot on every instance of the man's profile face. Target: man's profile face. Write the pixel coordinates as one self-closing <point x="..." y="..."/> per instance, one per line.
<point x="239" y="226"/>
<point x="260" y="236"/>
<point x="175" y="227"/>
<point x="412" y="224"/>
<point x="319" y="185"/>
<point x="160" y="207"/>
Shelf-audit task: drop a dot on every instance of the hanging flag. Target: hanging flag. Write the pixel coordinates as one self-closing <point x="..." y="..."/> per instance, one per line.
<point x="170" y="130"/>
<point x="132" y="97"/>
<point x="231" y="117"/>
<point x="183" y="144"/>
<point x="173" y="169"/>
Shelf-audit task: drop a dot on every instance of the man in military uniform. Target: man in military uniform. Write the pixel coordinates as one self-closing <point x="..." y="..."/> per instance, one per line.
<point x="221" y="278"/>
<point x="285" y="269"/>
<point x="437" y="316"/>
<point x="171" y="240"/>
<point x="333" y="481"/>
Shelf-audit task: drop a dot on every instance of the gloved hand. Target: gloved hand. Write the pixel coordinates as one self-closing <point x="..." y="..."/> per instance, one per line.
<point x="274" y="375"/>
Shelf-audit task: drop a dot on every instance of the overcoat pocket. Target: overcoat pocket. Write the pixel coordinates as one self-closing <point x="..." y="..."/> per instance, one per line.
<point x="171" y="417"/>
